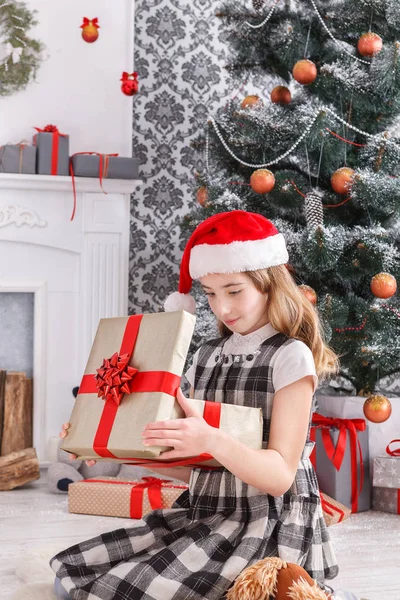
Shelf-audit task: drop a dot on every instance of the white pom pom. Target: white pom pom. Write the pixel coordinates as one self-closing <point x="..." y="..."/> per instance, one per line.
<point x="177" y="301"/>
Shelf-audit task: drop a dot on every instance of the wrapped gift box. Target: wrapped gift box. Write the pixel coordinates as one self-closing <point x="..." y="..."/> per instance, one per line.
<point x="351" y="407"/>
<point x="52" y="151"/>
<point x="116" y="497"/>
<point x="334" y="512"/>
<point x="386" y="481"/>
<point x="18" y="158"/>
<point x="104" y="166"/>
<point x="386" y="499"/>
<point x="339" y="476"/>
<point x="151" y="350"/>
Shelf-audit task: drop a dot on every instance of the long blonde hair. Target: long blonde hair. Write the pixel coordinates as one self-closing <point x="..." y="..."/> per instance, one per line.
<point x="292" y="314"/>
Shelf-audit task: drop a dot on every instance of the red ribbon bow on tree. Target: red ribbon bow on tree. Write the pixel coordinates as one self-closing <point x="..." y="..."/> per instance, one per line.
<point x="94" y="22"/>
<point x="129" y="76"/>
<point x="113" y="376"/>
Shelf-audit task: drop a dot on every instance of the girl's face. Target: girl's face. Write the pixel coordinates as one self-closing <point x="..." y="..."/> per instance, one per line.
<point x="235" y="301"/>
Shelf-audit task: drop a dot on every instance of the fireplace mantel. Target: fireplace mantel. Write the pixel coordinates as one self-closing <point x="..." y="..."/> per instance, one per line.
<point x="77" y="270"/>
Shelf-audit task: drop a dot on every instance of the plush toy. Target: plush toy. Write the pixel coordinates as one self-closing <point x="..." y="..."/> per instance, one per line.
<point x="273" y="579"/>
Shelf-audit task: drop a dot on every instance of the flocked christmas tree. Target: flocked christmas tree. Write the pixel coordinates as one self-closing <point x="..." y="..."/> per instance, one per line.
<point x="319" y="155"/>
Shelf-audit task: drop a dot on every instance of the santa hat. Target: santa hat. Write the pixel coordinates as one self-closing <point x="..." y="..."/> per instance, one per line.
<point x="229" y="242"/>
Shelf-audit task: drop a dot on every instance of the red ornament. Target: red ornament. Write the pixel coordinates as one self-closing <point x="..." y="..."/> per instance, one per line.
<point x="342" y="179"/>
<point x="90" y="29"/>
<point x="377" y="409"/>
<point x="202" y="196"/>
<point x="383" y="285"/>
<point x="113" y="377"/>
<point x="370" y="44"/>
<point x="305" y="72"/>
<point x="281" y="95"/>
<point x="309" y="293"/>
<point x="262" y="181"/>
<point x="252" y="102"/>
<point x="130" y="83"/>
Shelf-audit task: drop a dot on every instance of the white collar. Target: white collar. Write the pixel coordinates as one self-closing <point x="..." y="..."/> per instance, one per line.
<point x="253" y="339"/>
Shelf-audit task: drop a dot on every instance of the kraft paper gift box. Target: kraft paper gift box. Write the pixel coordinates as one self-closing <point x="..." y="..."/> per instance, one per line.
<point x="386" y="481"/>
<point x="343" y="472"/>
<point x="116" y="497"/>
<point x="52" y="151"/>
<point x="154" y="348"/>
<point x="334" y="512"/>
<point x="104" y="166"/>
<point x="18" y="158"/>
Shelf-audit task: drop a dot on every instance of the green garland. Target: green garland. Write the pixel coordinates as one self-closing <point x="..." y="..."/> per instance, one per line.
<point x="15" y="21"/>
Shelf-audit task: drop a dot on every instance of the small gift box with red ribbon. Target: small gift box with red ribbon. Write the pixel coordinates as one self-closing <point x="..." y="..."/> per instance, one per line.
<point x="131" y="379"/>
<point x="334" y="512"/>
<point x="52" y="151"/>
<point x="18" y="158"/>
<point x="341" y="460"/>
<point x="104" y="166"/>
<point x="386" y="480"/>
<point x="115" y="497"/>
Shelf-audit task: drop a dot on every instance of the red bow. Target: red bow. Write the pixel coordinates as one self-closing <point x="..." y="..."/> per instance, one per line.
<point x="129" y="76"/>
<point x="393" y="452"/>
<point x="94" y="22"/>
<point x="113" y="376"/>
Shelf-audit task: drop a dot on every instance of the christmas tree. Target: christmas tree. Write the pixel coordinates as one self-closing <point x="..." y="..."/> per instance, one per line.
<point x="310" y="142"/>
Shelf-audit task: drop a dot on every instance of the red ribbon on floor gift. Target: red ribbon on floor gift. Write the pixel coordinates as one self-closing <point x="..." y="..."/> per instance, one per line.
<point x="336" y="454"/>
<point x="55" y="143"/>
<point x="104" y="163"/>
<point x="330" y="508"/>
<point x="153" y="485"/>
<point x="393" y="452"/>
<point x="116" y="377"/>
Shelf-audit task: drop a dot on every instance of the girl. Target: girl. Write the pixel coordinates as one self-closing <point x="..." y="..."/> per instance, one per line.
<point x="261" y="502"/>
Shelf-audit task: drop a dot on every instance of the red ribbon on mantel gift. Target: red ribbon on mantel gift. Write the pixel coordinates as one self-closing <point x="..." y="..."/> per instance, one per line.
<point x="153" y="486"/>
<point x="54" y="150"/>
<point x="103" y="172"/>
<point x="116" y="377"/>
<point x="393" y="452"/>
<point x="336" y="454"/>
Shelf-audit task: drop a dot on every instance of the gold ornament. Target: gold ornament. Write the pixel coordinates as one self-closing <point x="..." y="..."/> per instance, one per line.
<point x="252" y="102"/>
<point x="377" y="409"/>
<point x="305" y="72"/>
<point x="342" y="179"/>
<point x="262" y="181"/>
<point x="202" y="196"/>
<point x="309" y="293"/>
<point x="383" y="285"/>
<point x="370" y="44"/>
<point x="281" y="95"/>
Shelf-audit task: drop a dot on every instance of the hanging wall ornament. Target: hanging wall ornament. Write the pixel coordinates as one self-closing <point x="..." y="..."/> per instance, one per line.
<point x="130" y="83"/>
<point x="90" y="29"/>
<point x="258" y="4"/>
<point x="313" y="209"/>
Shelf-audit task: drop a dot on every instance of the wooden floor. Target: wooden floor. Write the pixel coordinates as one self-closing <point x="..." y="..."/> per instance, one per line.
<point x="367" y="545"/>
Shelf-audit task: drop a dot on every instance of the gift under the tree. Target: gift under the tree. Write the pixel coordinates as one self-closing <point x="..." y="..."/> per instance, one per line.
<point x="341" y="460"/>
<point x="104" y="166"/>
<point x="18" y="158"/>
<point x="115" y="497"/>
<point x="386" y="481"/>
<point x="131" y="379"/>
<point x="334" y="511"/>
<point x="52" y="151"/>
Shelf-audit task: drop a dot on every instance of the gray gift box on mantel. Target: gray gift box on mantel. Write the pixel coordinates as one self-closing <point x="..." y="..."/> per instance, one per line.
<point x="52" y="153"/>
<point x="18" y="158"/>
<point x="113" y="167"/>
<point x="338" y="484"/>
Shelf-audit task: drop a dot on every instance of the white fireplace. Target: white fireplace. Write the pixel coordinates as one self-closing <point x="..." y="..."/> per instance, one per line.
<point x="77" y="271"/>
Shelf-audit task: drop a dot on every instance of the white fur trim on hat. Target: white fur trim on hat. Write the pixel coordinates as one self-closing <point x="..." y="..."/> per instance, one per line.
<point x="238" y="257"/>
<point x="177" y="301"/>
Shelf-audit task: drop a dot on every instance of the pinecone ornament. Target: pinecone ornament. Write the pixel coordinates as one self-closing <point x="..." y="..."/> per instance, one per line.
<point x="258" y="4"/>
<point x="313" y="209"/>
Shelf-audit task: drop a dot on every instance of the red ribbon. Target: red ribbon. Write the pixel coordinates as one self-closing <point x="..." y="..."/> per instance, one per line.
<point x="103" y="172"/>
<point x="336" y="455"/>
<point x="94" y="22"/>
<point x="129" y="76"/>
<point x="54" y="151"/>
<point x="393" y="452"/>
<point x="330" y="508"/>
<point x="153" y="486"/>
<point x="398" y="502"/>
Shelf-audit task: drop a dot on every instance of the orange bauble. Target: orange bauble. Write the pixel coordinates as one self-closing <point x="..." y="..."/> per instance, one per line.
<point x="262" y="181"/>
<point x="305" y="72"/>
<point x="342" y="179"/>
<point x="377" y="409"/>
<point x="370" y="44"/>
<point x="383" y="285"/>
<point x="90" y="30"/>
<point x="281" y="95"/>
<point x="309" y="293"/>
<point x="251" y="101"/>
<point x="202" y="196"/>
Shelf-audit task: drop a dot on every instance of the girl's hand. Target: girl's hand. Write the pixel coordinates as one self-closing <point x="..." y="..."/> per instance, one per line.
<point x="188" y="437"/>
<point x="63" y="434"/>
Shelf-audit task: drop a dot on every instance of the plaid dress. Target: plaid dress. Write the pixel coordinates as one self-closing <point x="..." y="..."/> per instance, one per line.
<point x="196" y="549"/>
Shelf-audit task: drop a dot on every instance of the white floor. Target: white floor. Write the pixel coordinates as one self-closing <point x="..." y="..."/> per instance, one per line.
<point x="367" y="545"/>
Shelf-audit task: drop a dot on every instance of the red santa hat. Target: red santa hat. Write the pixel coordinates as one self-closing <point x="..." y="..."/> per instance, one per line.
<point x="229" y="242"/>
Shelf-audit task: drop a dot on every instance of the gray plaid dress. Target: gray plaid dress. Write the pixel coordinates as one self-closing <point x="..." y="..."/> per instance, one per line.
<point x="196" y="549"/>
